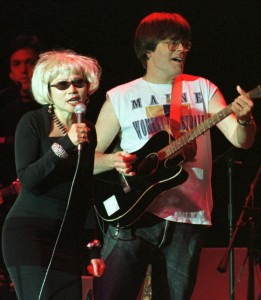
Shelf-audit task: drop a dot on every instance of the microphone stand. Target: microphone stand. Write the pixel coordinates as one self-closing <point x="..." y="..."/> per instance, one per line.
<point x="222" y="267"/>
<point x="252" y="237"/>
<point x="229" y="255"/>
<point x="230" y="219"/>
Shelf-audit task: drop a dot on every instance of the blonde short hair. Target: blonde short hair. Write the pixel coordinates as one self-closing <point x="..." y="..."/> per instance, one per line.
<point x="66" y="62"/>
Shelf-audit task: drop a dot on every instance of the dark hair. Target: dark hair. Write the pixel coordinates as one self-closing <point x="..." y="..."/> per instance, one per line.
<point x="157" y="27"/>
<point x="24" y="41"/>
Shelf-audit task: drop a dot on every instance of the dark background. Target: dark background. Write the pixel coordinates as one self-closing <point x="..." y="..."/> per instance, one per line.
<point x="226" y="49"/>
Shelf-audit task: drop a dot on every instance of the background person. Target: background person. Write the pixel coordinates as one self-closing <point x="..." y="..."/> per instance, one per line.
<point x="15" y="101"/>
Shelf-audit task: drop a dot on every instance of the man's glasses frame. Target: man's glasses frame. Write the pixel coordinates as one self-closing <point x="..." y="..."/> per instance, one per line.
<point x="64" y="85"/>
<point x="173" y="44"/>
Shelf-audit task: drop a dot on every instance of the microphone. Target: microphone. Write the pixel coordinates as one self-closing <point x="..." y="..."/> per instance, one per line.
<point x="80" y="110"/>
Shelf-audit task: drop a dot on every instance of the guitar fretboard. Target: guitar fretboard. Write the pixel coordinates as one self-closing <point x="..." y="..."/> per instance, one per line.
<point x="183" y="140"/>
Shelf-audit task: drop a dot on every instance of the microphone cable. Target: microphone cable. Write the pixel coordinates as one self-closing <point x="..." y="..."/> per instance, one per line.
<point x="60" y="230"/>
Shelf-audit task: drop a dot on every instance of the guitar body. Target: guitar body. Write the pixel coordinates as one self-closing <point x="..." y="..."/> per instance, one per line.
<point x="122" y="200"/>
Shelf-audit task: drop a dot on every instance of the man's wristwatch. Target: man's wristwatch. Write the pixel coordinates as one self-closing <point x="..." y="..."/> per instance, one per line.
<point x="249" y="121"/>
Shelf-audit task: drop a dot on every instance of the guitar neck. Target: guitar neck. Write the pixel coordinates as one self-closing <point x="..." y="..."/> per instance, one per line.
<point x="178" y="144"/>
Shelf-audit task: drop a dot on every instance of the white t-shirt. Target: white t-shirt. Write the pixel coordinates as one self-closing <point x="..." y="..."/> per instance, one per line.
<point x="143" y="109"/>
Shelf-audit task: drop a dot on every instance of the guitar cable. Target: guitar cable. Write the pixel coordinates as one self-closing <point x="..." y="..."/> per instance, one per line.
<point x="113" y="236"/>
<point x="60" y="230"/>
<point x="101" y="226"/>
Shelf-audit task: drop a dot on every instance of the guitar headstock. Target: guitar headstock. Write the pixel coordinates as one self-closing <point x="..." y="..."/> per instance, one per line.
<point x="255" y="93"/>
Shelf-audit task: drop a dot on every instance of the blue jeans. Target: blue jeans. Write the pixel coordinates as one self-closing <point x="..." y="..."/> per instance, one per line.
<point x="173" y="250"/>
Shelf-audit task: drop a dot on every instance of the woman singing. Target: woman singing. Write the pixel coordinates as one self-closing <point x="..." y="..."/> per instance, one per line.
<point x="46" y="231"/>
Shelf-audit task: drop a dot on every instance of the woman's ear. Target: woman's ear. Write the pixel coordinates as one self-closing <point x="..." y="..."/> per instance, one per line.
<point x="11" y="76"/>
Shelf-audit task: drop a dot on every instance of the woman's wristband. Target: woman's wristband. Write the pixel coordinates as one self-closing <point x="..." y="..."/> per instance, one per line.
<point x="59" y="150"/>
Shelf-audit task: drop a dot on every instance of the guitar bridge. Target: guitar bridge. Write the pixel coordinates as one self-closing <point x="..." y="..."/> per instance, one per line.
<point x="124" y="183"/>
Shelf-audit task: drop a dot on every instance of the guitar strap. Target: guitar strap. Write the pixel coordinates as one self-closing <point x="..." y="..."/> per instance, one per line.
<point x="190" y="149"/>
<point x="175" y="106"/>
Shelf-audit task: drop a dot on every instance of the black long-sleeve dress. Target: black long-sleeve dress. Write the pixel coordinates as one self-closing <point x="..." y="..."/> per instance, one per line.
<point x="32" y="225"/>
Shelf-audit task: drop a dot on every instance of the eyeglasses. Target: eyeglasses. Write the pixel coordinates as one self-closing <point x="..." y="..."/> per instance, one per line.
<point x="64" y="85"/>
<point x="173" y="45"/>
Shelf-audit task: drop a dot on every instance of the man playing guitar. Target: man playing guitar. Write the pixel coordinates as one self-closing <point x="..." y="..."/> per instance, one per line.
<point x="169" y="234"/>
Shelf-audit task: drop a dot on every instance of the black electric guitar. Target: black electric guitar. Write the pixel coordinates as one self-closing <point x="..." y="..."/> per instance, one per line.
<point x="122" y="200"/>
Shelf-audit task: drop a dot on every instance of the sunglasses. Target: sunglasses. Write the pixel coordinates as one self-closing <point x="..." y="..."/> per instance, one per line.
<point x="64" y="85"/>
<point x="174" y="44"/>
